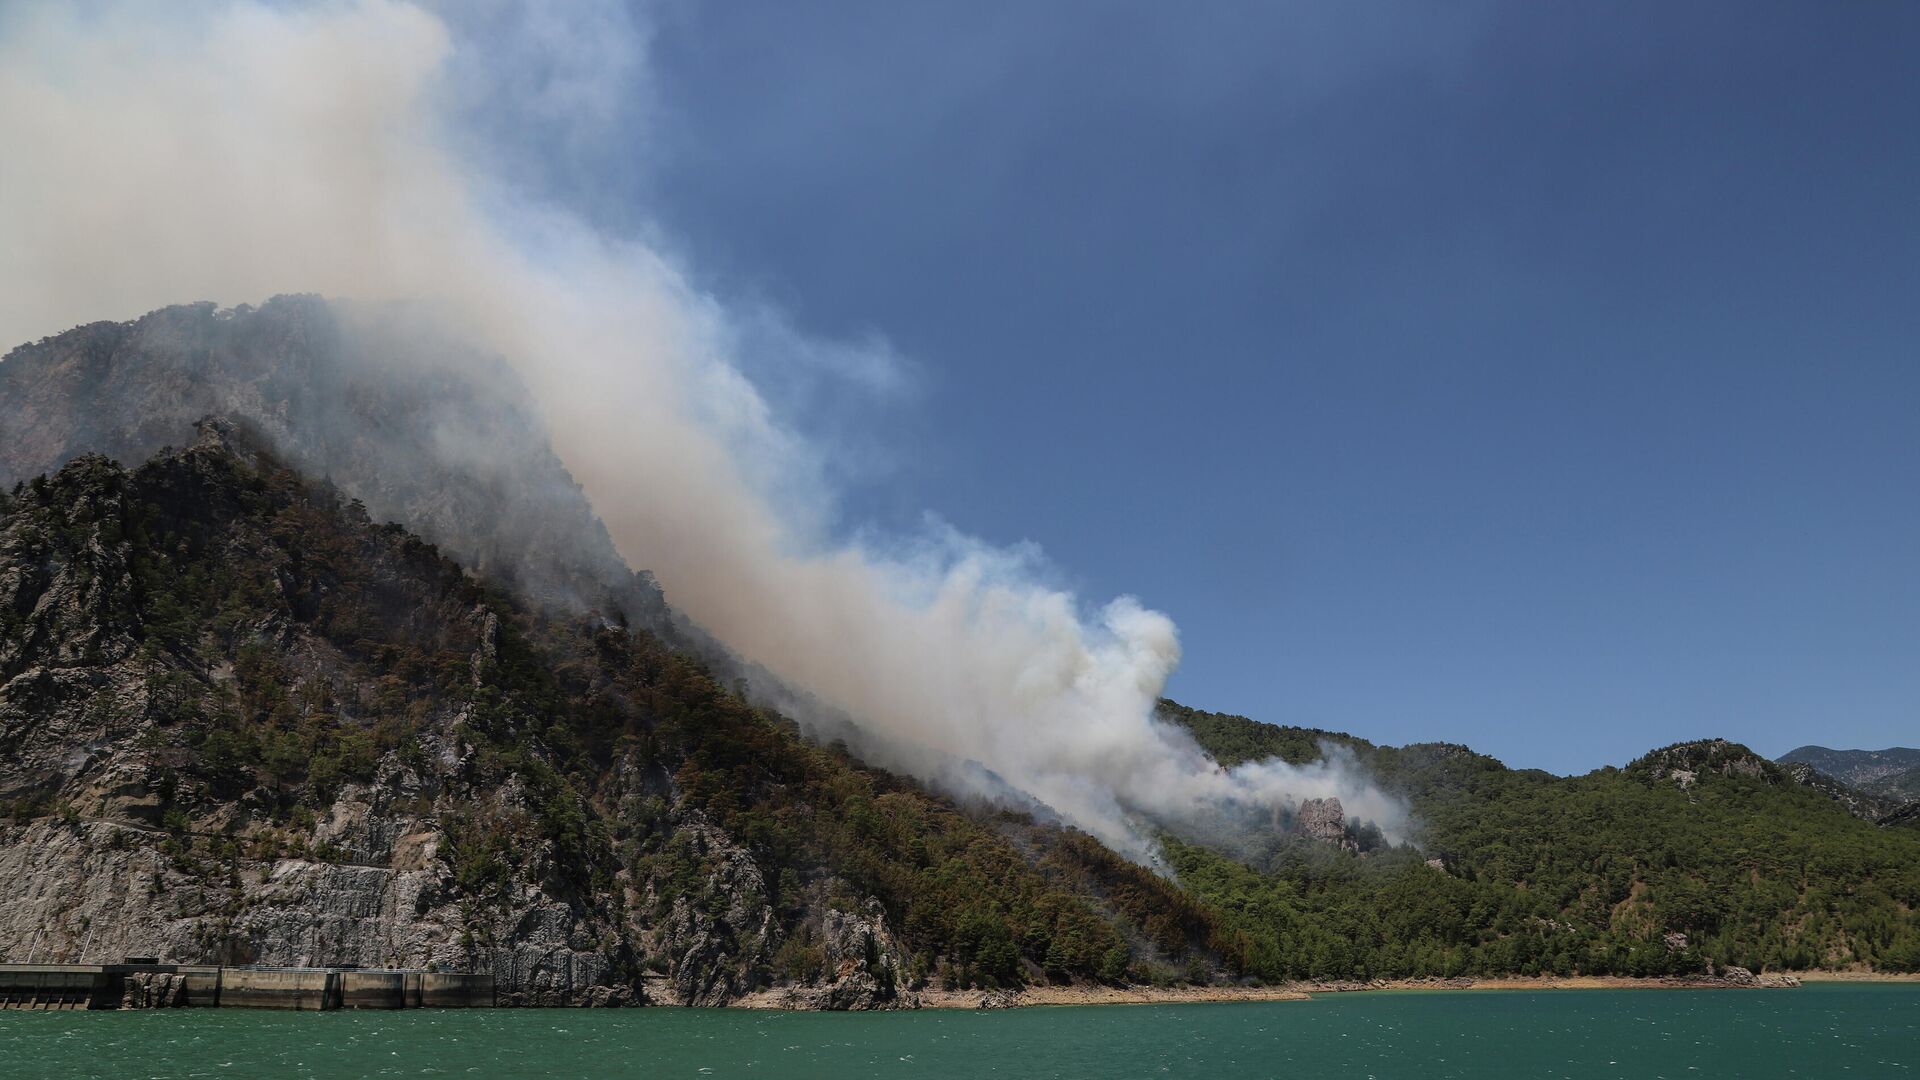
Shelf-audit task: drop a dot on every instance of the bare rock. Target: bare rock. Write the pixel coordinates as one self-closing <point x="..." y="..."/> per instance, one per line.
<point x="608" y="997"/>
<point x="1325" y="820"/>
<point x="717" y="937"/>
<point x="868" y="966"/>
<point x="1686" y="764"/>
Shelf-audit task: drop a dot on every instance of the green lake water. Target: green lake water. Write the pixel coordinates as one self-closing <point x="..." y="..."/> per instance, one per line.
<point x="1819" y="1031"/>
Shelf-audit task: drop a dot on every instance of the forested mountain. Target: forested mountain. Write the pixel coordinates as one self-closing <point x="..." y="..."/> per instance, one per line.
<point x="240" y="721"/>
<point x="1893" y="773"/>
<point x="1518" y="870"/>
<point x="1873" y="807"/>
<point x="418" y="426"/>
<point x="243" y="719"/>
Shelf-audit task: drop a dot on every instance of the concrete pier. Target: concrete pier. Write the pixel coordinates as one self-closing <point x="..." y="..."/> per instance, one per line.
<point x="280" y="988"/>
<point x="153" y="985"/>
<point x="56" y="986"/>
<point x="446" y="990"/>
<point x="373" y="989"/>
<point x="203" y="985"/>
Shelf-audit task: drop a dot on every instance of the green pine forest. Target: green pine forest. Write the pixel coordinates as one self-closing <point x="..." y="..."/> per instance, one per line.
<point x="1563" y="875"/>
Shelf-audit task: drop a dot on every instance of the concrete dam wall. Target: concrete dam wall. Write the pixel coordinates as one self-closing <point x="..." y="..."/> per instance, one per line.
<point x="154" y="986"/>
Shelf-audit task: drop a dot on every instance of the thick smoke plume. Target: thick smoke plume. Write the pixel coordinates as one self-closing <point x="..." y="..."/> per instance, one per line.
<point x="157" y="154"/>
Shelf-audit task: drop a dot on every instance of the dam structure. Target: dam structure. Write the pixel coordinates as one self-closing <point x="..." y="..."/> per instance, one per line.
<point x="141" y="983"/>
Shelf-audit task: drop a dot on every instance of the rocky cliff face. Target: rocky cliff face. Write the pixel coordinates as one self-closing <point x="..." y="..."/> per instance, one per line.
<point x="865" y="967"/>
<point x="867" y="964"/>
<point x="715" y="935"/>
<point x="99" y="890"/>
<point x="240" y="722"/>
<point x="126" y="840"/>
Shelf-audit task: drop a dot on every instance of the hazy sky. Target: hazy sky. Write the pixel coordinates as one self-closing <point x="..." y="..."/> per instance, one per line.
<point x="1540" y="377"/>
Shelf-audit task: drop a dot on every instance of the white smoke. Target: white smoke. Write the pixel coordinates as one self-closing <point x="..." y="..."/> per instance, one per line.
<point x="155" y="154"/>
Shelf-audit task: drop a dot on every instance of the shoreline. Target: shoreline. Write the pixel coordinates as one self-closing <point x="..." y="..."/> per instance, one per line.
<point x="1036" y="996"/>
<point x="1041" y="996"/>
<point x="785" y="1000"/>
<point x="65" y="987"/>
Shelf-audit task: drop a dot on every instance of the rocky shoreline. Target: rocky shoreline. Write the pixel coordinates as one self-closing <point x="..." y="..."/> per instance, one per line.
<point x="1729" y="979"/>
<point x="788" y="998"/>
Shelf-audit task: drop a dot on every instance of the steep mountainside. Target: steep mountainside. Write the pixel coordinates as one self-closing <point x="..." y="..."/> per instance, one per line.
<point x="1696" y="854"/>
<point x="1893" y="773"/>
<point x="1861" y="804"/>
<point x="241" y="722"/>
<point x="396" y="412"/>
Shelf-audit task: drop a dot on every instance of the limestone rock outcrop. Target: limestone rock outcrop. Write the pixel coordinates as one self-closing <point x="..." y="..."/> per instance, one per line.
<point x="719" y="935"/>
<point x="1686" y="764"/>
<point x="867" y="967"/>
<point x="1325" y="820"/>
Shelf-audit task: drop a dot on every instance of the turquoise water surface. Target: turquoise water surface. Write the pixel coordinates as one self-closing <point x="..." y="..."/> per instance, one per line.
<point x="1818" y="1031"/>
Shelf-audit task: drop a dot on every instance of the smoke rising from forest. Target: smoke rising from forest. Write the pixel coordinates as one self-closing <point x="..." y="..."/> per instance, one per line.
<point x="161" y="154"/>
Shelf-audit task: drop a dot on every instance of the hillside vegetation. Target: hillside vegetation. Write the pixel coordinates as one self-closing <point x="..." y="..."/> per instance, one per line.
<point x="1535" y="873"/>
<point x="256" y="661"/>
<point x="1891" y="774"/>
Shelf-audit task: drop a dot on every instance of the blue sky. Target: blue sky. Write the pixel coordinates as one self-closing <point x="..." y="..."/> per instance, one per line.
<point x="1539" y="377"/>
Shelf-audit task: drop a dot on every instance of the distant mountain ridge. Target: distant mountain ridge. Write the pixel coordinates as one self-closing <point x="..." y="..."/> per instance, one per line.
<point x="1861" y="804"/>
<point x="1891" y="773"/>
